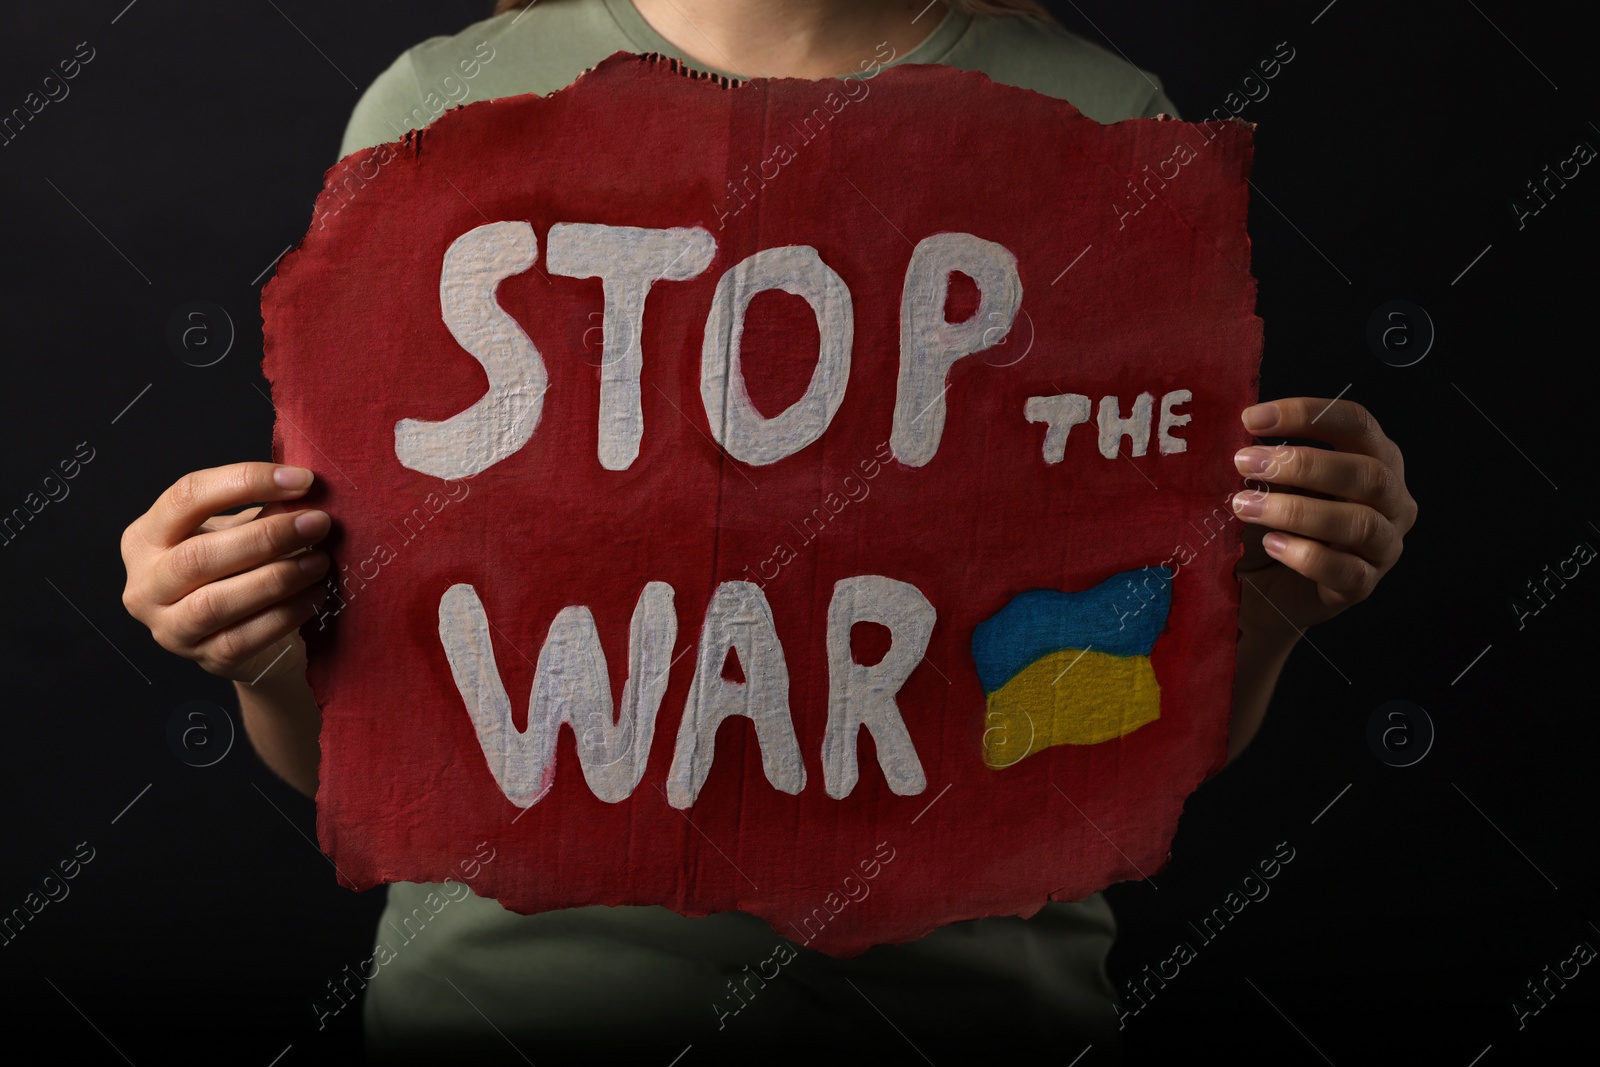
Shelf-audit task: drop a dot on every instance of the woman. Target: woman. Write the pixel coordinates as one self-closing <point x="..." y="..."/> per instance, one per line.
<point x="226" y="592"/>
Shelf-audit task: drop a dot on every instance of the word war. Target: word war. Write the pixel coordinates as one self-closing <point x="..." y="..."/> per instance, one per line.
<point x="571" y="686"/>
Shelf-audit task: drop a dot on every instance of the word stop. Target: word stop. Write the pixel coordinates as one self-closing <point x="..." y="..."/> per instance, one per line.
<point x="629" y="261"/>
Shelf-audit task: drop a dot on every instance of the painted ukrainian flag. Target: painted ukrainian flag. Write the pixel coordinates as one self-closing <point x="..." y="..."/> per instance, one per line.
<point x="1071" y="668"/>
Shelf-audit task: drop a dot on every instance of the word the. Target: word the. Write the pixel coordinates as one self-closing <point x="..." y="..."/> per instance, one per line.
<point x="432" y="905"/>
<point x="1061" y="413"/>
<point x="1568" y="168"/>
<point x="783" y="554"/>
<point x="1254" y="889"/>
<point x="1553" y="982"/>
<point x="813" y="924"/>
<point x="53" y="888"/>
<point x="339" y="592"/>
<point x="55" y="489"/>
<point x="782" y="953"/>
<point x="1564" y="572"/>
<point x="750" y="185"/>
<point x="55" y="90"/>
<point x="629" y="260"/>
<point x="571" y="685"/>
<point x="348" y="179"/>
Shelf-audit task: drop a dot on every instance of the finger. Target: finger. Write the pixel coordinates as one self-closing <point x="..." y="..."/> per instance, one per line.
<point x="197" y="496"/>
<point x="1353" y="526"/>
<point x="1359" y="478"/>
<point x="221" y="604"/>
<point x="223" y="651"/>
<point x="1346" y="577"/>
<point x="209" y="557"/>
<point x="230" y="520"/>
<point x="1344" y="424"/>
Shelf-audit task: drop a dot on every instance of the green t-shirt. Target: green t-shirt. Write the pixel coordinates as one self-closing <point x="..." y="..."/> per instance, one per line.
<point x="458" y="972"/>
<point x="544" y="47"/>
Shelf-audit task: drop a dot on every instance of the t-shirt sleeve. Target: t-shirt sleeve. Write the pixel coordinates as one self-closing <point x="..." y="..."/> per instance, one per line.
<point x="386" y="110"/>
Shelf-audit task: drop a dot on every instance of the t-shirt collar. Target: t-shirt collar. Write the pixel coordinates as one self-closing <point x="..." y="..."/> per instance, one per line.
<point x="644" y="38"/>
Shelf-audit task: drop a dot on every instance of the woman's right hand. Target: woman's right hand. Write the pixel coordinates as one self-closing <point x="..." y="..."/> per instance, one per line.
<point x="227" y="591"/>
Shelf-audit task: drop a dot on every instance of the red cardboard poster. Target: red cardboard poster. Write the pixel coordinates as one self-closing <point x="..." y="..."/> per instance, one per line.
<point x="806" y="498"/>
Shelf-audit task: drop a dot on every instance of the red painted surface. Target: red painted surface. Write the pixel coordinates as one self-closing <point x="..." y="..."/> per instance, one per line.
<point x="1162" y="300"/>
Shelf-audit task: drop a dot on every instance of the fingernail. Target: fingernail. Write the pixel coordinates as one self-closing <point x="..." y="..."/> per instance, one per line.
<point x="1253" y="460"/>
<point x="291" y="477"/>
<point x="311" y="524"/>
<point x="1260" y="417"/>
<point x="311" y="563"/>
<point x="1250" y="503"/>
<point x="1275" y="543"/>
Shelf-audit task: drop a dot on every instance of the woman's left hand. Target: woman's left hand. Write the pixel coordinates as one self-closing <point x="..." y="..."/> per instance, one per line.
<point x="1333" y="523"/>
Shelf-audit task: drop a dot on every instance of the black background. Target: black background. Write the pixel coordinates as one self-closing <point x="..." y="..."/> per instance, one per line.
<point x="187" y="157"/>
